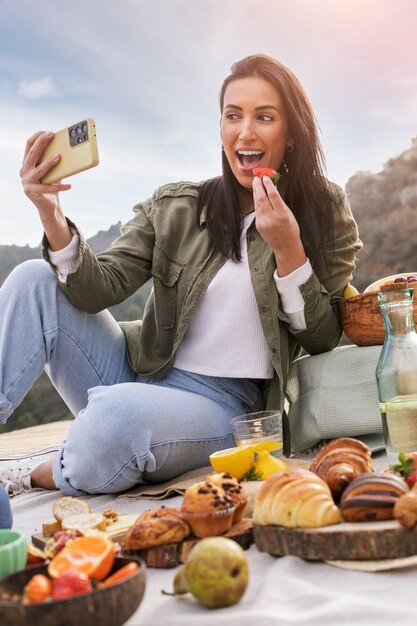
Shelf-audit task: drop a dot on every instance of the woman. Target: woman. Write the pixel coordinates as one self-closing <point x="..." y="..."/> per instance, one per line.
<point x="244" y="273"/>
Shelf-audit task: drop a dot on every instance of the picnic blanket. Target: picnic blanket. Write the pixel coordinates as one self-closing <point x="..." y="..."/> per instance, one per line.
<point x="283" y="591"/>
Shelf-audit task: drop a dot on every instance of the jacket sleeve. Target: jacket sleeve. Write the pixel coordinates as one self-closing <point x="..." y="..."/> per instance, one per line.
<point x="321" y="293"/>
<point x="98" y="281"/>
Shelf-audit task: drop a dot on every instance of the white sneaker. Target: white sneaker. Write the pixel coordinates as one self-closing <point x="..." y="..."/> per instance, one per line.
<point x="15" y="474"/>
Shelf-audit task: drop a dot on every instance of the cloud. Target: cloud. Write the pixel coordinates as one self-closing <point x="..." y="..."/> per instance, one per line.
<point x="38" y="88"/>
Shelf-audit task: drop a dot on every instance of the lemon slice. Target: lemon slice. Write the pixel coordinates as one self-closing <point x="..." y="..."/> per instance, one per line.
<point x="237" y="461"/>
<point x="266" y="465"/>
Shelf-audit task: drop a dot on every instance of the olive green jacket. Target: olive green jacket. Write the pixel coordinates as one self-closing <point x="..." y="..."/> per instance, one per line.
<point x="165" y="241"/>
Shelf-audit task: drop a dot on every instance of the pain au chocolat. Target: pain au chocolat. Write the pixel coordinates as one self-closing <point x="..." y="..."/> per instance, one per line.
<point x="371" y="497"/>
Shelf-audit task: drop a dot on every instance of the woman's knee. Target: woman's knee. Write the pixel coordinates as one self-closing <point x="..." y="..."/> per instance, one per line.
<point x="31" y="273"/>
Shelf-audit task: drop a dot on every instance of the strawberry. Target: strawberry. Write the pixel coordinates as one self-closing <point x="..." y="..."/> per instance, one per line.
<point x="71" y="583"/>
<point x="266" y="171"/>
<point x="407" y="467"/>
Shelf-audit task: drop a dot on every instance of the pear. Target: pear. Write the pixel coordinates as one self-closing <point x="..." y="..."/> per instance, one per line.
<point x="180" y="581"/>
<point x="217" y="572"/>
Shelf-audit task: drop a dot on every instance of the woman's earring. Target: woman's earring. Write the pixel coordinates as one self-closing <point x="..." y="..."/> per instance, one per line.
<point x="290" y="148"/>
<point x="284" y="167"/>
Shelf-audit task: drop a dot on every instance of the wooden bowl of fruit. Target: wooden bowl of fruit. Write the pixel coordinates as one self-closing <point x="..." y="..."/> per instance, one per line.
<point x="360" y="315"/>
<point x="109" y="603"/>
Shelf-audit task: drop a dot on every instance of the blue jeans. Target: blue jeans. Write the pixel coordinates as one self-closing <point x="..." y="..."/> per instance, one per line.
<point x="128" y="430"/>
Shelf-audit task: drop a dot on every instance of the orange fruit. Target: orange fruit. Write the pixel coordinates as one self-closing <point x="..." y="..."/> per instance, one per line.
<point x="38" y="589"/>
<point x="93" y="555"/>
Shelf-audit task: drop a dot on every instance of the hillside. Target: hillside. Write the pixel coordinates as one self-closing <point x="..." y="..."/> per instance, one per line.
<point x="384" y="205"/>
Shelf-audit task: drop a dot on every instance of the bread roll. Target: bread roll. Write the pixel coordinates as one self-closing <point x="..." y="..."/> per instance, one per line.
<point x="340" y="461"/>
<point x="84" y="522"/>
<point x="295" y="499"/>
<point x="67" y="505"/>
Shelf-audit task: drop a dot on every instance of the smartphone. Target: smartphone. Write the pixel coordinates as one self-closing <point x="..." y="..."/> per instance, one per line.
<point x="77" y="146"/>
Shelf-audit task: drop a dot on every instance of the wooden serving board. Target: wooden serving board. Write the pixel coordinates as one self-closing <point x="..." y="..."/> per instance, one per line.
<point x="345" y="541"/>
<point x="115" y="531"/>
<point x="171" y="554"/>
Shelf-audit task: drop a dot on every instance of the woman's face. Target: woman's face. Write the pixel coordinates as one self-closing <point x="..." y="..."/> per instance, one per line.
<point x="254" y="127"/>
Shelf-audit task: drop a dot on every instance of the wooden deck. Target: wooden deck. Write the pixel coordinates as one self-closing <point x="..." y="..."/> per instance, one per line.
<point x="34" y="438"/>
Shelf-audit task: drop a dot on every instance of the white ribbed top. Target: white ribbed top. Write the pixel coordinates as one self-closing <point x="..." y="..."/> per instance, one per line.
<point x="225" y="336"/>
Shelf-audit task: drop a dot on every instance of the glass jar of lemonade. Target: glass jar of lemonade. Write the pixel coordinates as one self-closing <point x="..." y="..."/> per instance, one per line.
<point x="396" y="371"/>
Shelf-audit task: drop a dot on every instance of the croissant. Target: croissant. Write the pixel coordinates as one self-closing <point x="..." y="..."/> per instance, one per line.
<point x="372" y="496"/>
<point x="295" y="499"/>
<point x="340" y="461"/>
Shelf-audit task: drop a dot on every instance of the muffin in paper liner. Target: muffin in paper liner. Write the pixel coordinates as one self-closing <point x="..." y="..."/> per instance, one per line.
<point x="208" y="509"/>
<point x="234" y="489"/>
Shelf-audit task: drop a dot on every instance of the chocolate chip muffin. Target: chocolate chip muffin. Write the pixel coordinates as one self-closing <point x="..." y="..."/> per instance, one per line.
<point x="208" y="509"/>
<point x="234" y="489"/>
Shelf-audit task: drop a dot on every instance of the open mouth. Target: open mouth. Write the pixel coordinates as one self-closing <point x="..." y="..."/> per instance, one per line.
<point x="249" y="158"/>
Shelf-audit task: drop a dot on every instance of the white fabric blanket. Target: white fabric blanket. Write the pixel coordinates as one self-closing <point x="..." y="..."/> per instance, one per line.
<point x="282" y="591"/>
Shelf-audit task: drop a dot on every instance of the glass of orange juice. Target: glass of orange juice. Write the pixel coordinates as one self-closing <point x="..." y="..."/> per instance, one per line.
<point x="258" y="427"/>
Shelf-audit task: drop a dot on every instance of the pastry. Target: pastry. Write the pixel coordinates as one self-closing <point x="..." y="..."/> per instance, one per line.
<point x="405" y="509"/>
<point x="234" y="489"/>
<point x="340" y="461"/>
<point x="208" y="509"/>
<point x="155" y="528"/>
<point x="371" y="497"/>
<point x="295" y="499"/>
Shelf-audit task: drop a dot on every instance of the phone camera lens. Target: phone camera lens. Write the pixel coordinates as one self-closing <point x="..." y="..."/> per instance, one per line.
<point x="80" y="139"/>
<point x="72" y="132"/>
<point x="79" y="130"/>
<point x="84" y="128"/>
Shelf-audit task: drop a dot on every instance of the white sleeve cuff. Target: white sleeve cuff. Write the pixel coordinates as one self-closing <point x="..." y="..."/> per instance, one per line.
<point x="63" y="260"/>
<point x="291" y="298"/>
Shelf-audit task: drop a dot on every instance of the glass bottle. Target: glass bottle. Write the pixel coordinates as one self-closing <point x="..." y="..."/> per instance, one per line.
<point x="396" y="371"/>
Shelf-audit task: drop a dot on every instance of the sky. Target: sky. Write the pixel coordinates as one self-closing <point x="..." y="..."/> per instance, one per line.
<point x="149" y="74"/>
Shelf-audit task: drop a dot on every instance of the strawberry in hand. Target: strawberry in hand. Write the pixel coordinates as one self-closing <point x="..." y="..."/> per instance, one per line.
<point x="267" y="171"/>
<point x="407" y="467"/>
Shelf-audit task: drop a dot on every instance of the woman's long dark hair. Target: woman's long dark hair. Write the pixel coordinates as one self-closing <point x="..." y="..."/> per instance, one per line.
<point x="308" y="194"/>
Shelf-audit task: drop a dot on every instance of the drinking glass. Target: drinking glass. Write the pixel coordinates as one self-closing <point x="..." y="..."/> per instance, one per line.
<point x="258" y="427"/>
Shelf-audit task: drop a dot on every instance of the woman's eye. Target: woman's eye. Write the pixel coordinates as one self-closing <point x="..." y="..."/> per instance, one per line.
<point x="232" y="116"/>
<point x="265" y="118"/>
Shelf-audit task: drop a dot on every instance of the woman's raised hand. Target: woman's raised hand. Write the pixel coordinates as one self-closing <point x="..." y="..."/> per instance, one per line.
<point x="45" y="197"/>
<point x="278" y="227"/>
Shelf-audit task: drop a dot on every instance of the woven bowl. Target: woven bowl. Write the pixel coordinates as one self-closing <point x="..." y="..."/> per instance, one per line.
<point x="362" y="320"/>
<point x="109" y="606"/>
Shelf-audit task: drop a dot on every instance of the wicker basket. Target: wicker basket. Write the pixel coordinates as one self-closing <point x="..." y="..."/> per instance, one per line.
<point x="362" y="320"/>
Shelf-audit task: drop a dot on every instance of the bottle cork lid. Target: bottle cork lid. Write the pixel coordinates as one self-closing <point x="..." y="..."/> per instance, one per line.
<point x="400" y="286"/>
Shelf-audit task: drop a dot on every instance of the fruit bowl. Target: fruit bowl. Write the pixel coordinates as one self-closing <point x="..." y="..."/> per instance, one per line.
<point x="377" y="284"/>
<point x="109" y="606"/>
<point x="362" y="320"/>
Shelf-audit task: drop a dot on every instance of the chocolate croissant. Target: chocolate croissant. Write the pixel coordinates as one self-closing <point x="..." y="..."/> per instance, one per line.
<point x="295" y="499"/>
<point x="372" y="496"/>
<point x="340" y="461"/>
